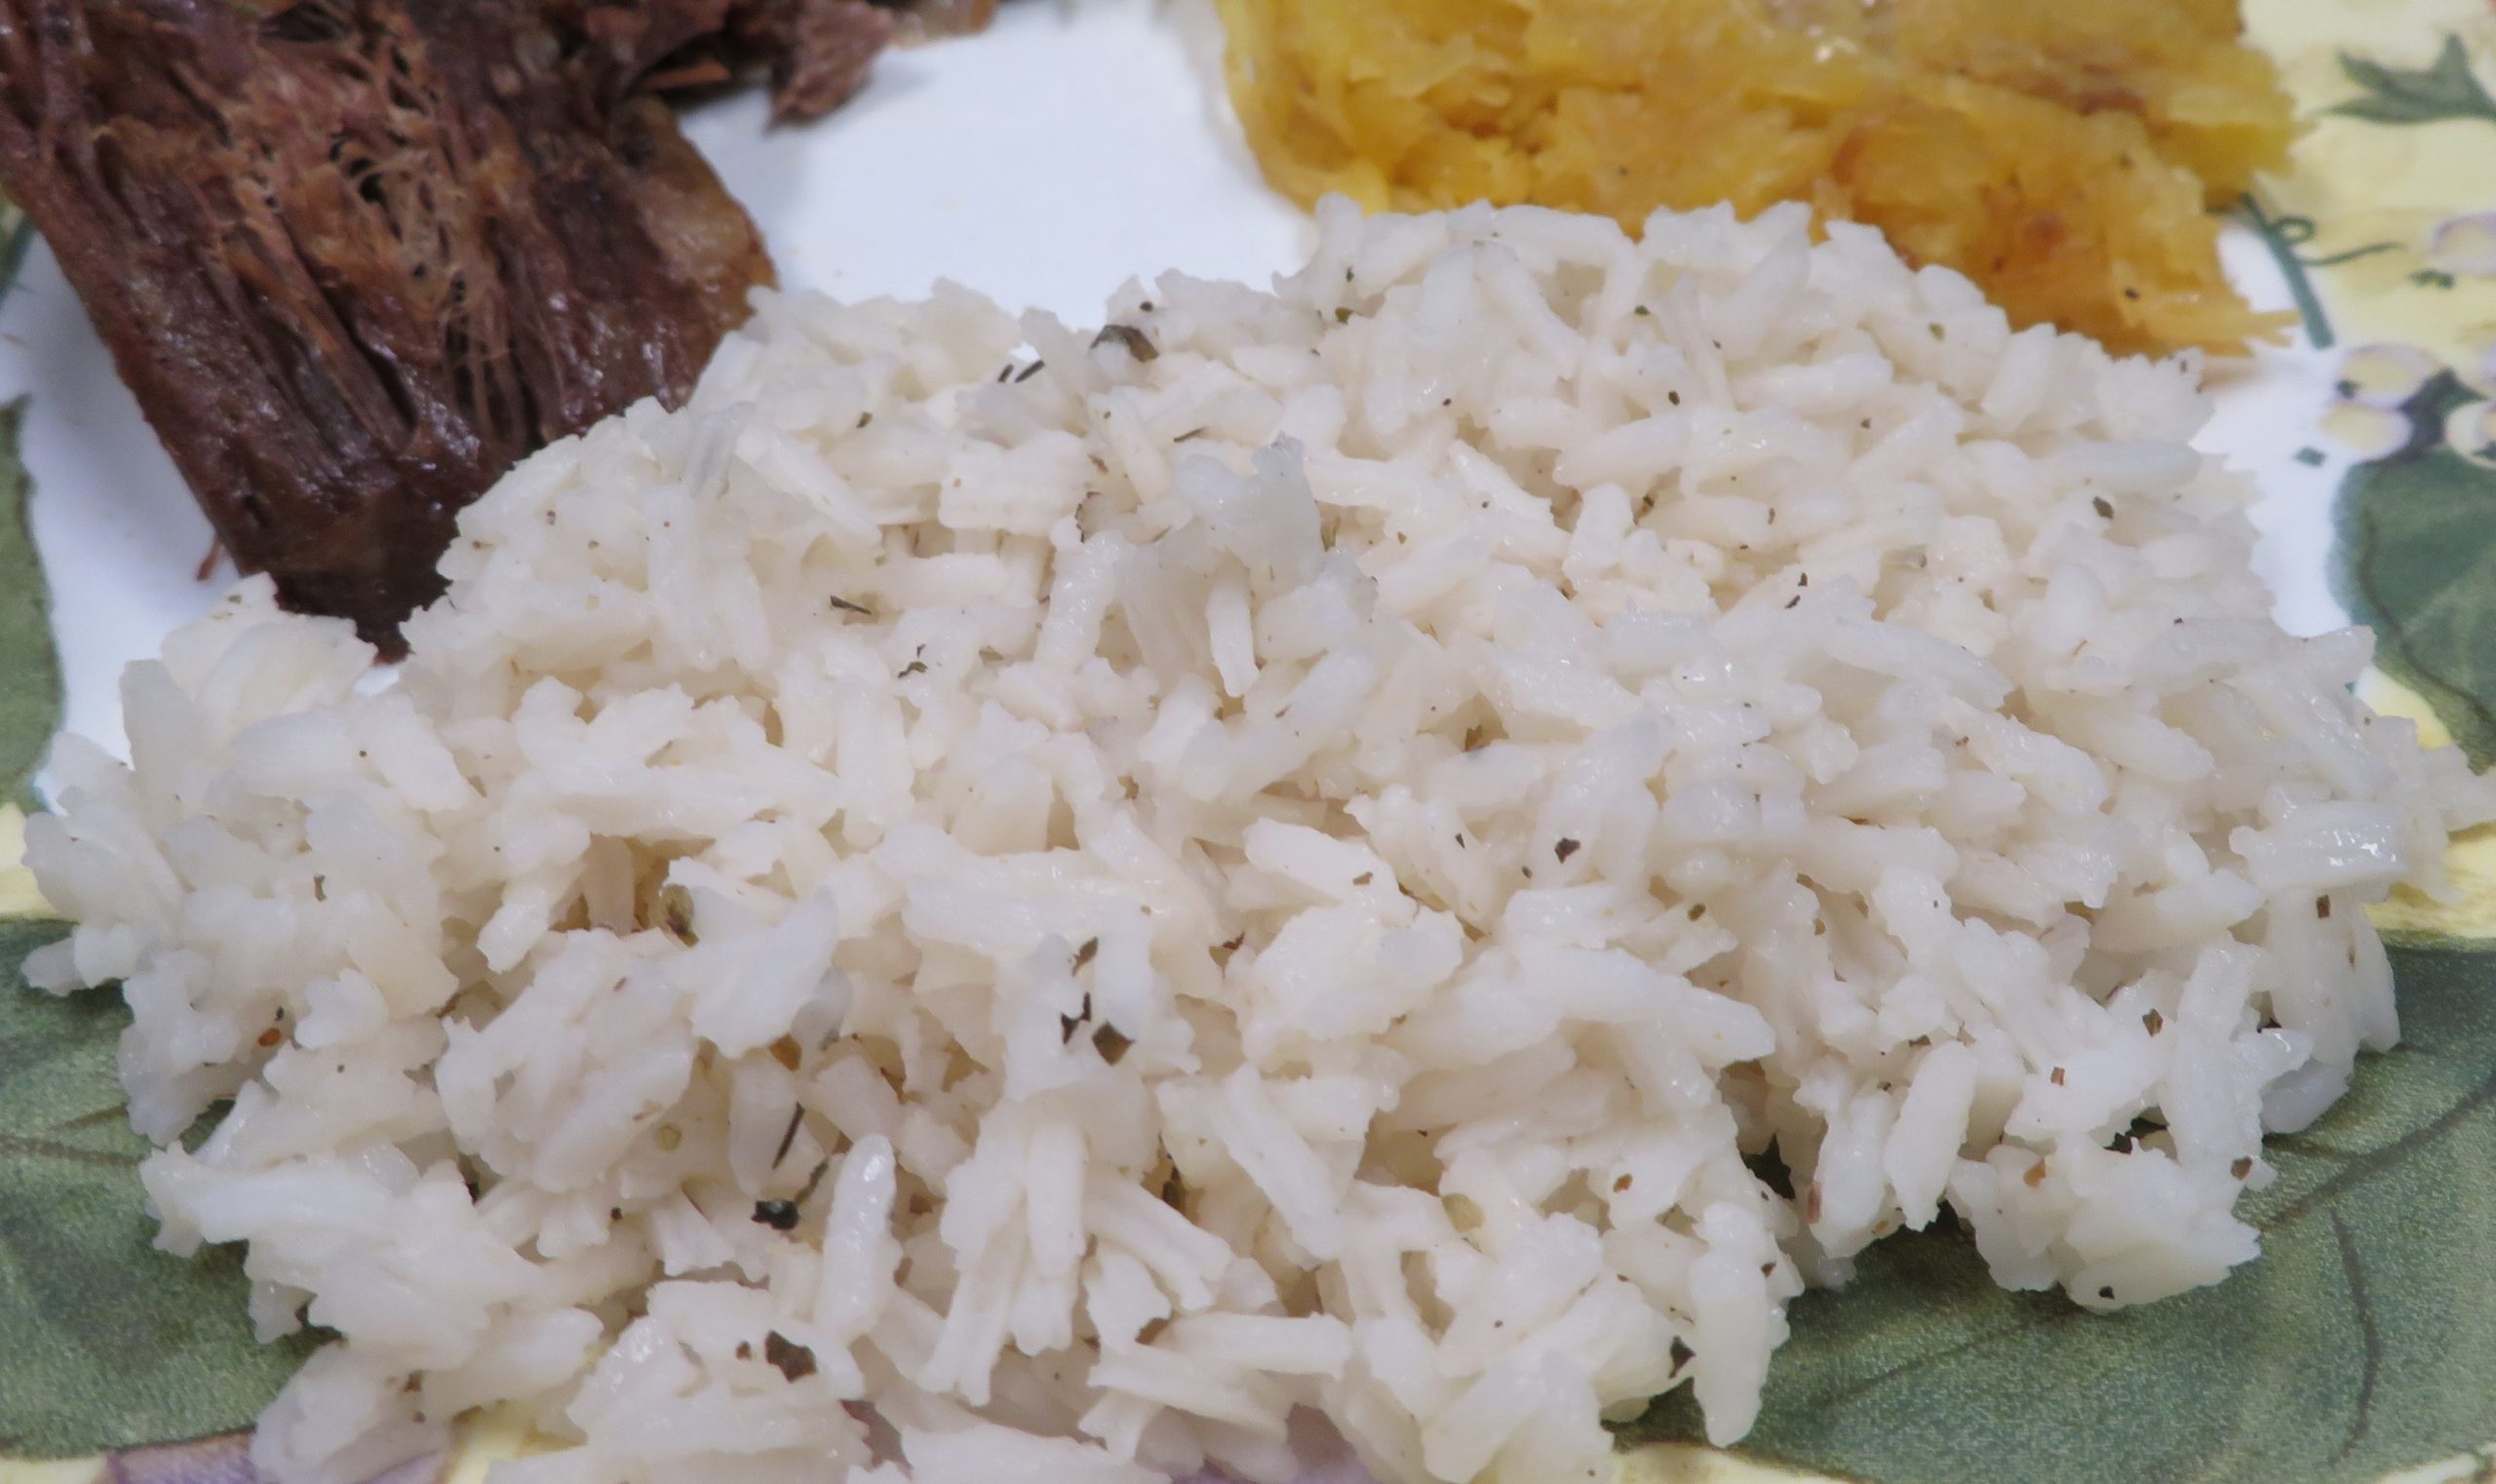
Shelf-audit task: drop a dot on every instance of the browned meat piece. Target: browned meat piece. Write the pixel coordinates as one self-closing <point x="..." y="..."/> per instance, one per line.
<point x="356" y="257"/>
<point x="923" y="20"/>
<point x="816" y="51"/>
<point x="820" y="51"/>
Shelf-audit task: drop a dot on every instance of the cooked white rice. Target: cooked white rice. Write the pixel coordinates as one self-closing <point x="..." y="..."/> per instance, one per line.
<point x="1086" y="895"/>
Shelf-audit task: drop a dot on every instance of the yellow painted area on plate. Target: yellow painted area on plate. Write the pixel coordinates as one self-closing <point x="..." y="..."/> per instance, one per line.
<point x="20" y="897"/>
<point x="496" y="1435"/>
<point x="1682" y="1464"/>
<point x="2391" y="698"/>
<point x="2469" y="1467"/>
<point x="58" y="1471"/>
<point x="2363" y="182"/>
<point x="2469" y="862"/>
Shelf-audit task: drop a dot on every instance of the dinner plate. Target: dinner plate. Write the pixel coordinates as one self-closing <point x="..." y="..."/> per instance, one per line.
<point x="1074" y="147"/>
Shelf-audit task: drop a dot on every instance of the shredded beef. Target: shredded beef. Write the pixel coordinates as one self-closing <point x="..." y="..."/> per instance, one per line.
<point x="356" y="257"/>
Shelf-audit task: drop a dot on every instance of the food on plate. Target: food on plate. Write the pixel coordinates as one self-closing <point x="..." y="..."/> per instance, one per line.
<point x="820" y="51"/>
<point x="1433" y="844"/>
<point x="355" y="259"/>
<point x="817" y="53"/>
<point x="2061" y="155"/>
<point x="932" y="19"/>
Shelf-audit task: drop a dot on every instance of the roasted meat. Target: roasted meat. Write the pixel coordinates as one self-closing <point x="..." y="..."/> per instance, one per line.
<point x="358" y="257"/>
<point x="818" y="51"/>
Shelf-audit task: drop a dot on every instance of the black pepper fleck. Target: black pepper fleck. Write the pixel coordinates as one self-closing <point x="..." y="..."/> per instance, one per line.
<point x="789" y="1135"/>
<point x="792" y="1360"/>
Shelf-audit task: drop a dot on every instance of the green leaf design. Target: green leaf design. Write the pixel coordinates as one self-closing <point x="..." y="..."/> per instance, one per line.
<point x="2415" y="557"/>
<point x="2284" y="235"/>
<point x="2363" y="1341"/>
<point x="29" y="667"/>
<point x="2447" y="90"/>
<point x="104" y="1342"/>
<point x="17" y="234"/>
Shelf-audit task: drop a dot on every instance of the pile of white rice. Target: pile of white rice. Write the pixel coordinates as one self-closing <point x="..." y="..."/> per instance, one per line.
<point x="986" y="904"/>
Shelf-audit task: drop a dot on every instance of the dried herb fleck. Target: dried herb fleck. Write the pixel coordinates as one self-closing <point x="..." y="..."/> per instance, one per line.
<point x="676" y="913"/>
<point x="792" y="1360"/>
<point x="1138" y="344"/>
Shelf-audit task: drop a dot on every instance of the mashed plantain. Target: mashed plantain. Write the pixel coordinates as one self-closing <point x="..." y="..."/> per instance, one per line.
<point x="2064" y="156"/>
